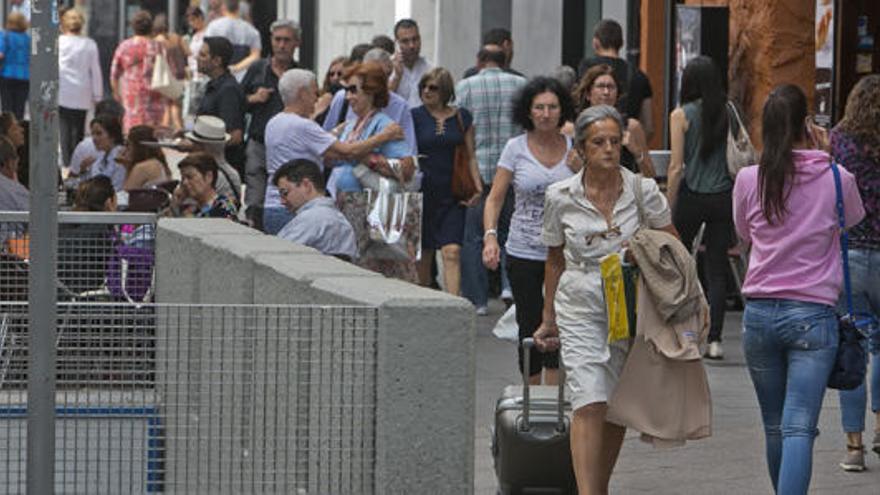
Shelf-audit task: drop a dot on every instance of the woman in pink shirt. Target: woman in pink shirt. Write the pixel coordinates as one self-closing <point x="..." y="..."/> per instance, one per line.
<point x="785" y="208"/>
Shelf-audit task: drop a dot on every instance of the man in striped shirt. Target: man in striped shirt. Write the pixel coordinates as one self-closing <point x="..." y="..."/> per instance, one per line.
<point x="489" y="97"/>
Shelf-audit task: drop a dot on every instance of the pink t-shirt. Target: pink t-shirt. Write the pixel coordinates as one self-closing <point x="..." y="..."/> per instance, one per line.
<point x="798" y="257"/>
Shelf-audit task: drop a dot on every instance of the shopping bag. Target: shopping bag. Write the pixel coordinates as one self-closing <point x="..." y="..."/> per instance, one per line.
<point x="506" y="327"/>
<point x="618" y="285"/>
<point x="387" y="225"/>
<point x="163" y="81"/>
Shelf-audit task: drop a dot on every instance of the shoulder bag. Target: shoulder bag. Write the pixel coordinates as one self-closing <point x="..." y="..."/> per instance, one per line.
<point x="463" y="186"/>
<point x="740" y="152"/>
<point x="850" y="363"/>
<point x="163" y="80"/>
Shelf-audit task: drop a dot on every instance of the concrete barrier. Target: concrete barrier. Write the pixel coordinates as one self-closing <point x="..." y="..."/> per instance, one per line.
<point x="425" y="362"/>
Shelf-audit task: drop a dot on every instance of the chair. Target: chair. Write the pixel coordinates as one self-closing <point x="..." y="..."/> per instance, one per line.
<point x="149" y="200"/>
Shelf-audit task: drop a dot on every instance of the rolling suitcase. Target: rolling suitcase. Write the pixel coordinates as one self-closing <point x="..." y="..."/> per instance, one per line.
<point x="530" y="442"/>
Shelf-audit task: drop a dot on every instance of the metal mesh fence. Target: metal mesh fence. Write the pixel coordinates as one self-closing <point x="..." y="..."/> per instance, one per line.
<point x="101" y="256"/>
<point x="199" y="399"/>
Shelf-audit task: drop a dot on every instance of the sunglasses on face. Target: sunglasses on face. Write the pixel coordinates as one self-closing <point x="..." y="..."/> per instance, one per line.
<point x="336" y="74"/>
<point x="353" y="89"/>
<point x="431" y="87"/>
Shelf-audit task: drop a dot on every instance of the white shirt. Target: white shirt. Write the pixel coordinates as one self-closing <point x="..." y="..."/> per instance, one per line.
<point x="289" y="136"/>
<point x="80" y="83"/>
<point x="409" y="82"/>
<point x="241" y="34"/>
<point x="530" y="181"/>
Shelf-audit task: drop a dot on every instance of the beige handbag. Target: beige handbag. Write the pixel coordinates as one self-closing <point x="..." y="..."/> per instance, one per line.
<point x="163" y="81"/>
<point x="740" y="151"/>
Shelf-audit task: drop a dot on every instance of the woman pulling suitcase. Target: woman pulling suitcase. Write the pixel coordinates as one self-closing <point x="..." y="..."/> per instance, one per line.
<point x="586" y="217"/>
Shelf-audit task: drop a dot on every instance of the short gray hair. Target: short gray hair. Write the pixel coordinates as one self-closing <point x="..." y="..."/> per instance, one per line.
<point x="377" y="55"/>
<point x="565" y="75"/>
<point x="285" y="24"/>
<point x="595" y="114"/>
<point x="292" y="82"/>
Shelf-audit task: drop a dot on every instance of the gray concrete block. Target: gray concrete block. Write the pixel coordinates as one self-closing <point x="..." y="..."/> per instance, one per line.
<point x="289" y="278"/>
<point x="425" y="390"/>
<point x="177" y="265"/>
<point x="389" y="291"/>
<point x="199" y="227"/>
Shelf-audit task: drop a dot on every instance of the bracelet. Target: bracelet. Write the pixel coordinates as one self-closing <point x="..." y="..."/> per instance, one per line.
<point x="492" y="232"/>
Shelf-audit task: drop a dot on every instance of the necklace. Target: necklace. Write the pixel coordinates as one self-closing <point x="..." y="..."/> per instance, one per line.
<point x="439" y="120"/>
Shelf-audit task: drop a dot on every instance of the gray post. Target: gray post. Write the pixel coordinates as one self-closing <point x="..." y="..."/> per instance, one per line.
<point x="173" y="7"/>
<point x="44" y="244"/>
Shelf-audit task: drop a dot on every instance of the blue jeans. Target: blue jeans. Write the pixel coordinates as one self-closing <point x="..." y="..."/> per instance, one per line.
<point x="274" y="219"/>
<point x="790" y="348"/>
<point x="866" y="299"/>
<point x="474" y="278"/>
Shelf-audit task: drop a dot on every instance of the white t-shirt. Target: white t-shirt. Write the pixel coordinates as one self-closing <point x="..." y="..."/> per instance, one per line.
<point x="242" y="35"/>
<point x="289" y="136"/>
<point x="530" y="180"/>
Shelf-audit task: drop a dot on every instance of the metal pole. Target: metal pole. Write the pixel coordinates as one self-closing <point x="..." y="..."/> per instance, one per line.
<point x="173" y="8"/>
<point x="42" y="296"/>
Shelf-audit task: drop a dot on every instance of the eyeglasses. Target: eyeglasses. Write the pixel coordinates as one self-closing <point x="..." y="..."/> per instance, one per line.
<point x="431" y="87"/>
<point x="608" y="86"/>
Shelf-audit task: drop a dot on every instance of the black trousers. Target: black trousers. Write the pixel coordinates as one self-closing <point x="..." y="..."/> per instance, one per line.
<point x="14" y="94"/>
<point x="72" y="123"/>
<point x="716" y="209"/>
<point x="527" y="284"/>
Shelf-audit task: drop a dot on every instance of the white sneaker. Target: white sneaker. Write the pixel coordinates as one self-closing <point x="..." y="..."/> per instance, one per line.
<point x="714" y="351"/>
<point x="482" y="310"/>
<point x="506" y="294"/>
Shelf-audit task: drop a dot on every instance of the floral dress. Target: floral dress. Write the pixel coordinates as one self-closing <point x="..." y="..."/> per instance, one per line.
<point x="133" y="67"/>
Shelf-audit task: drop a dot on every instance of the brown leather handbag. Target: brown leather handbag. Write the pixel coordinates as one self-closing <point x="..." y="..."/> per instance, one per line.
<point x="463" y="186"/>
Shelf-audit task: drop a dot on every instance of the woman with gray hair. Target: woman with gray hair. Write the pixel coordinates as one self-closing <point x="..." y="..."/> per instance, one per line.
<point x="587" y="217"/>
<point x="291" y="134"/>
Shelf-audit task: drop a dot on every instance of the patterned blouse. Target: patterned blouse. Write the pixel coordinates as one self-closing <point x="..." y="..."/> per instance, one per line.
<point x="133" y="68"/>
<point x="865" y="165"/>
<point x="221" y="207"/>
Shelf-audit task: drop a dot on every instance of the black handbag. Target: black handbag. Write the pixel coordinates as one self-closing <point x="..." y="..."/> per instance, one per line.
<point x="851" y="360"/>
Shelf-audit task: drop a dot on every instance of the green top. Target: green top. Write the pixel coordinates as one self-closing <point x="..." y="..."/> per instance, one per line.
<point x="703" y="175"/>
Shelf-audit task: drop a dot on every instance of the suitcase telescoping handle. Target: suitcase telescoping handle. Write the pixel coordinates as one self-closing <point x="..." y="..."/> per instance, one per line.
<point x="527" y="344"/>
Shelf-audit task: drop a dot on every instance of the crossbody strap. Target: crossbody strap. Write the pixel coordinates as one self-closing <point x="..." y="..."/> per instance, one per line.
<point x="844" y="237"/>
<point x="636" y="182"/>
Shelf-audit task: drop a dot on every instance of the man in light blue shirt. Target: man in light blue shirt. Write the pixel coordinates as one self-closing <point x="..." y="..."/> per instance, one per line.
<point x="317" y="222"/>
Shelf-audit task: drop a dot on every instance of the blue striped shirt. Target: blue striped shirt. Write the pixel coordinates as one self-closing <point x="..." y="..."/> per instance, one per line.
<point x="489" y="97"/>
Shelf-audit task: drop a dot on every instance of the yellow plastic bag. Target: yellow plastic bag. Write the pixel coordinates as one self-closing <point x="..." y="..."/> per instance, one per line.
<point x="615" y="297"/>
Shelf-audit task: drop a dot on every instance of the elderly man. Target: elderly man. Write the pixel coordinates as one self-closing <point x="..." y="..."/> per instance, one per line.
<point x="291" y="134"/>
<point x="209" y="135"/>
<point x="318" y="223"/>
<point x="223" y="96"/>
<point x="397" y="108"/>
<point x="409" y="65"/>
<point x="260" y="85"/>
<point x="489" y="97"/>
<point x="245" y="38"/>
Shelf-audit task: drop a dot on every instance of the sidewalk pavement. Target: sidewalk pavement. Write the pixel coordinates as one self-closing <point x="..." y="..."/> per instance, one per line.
<point x="730" y="461"/>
